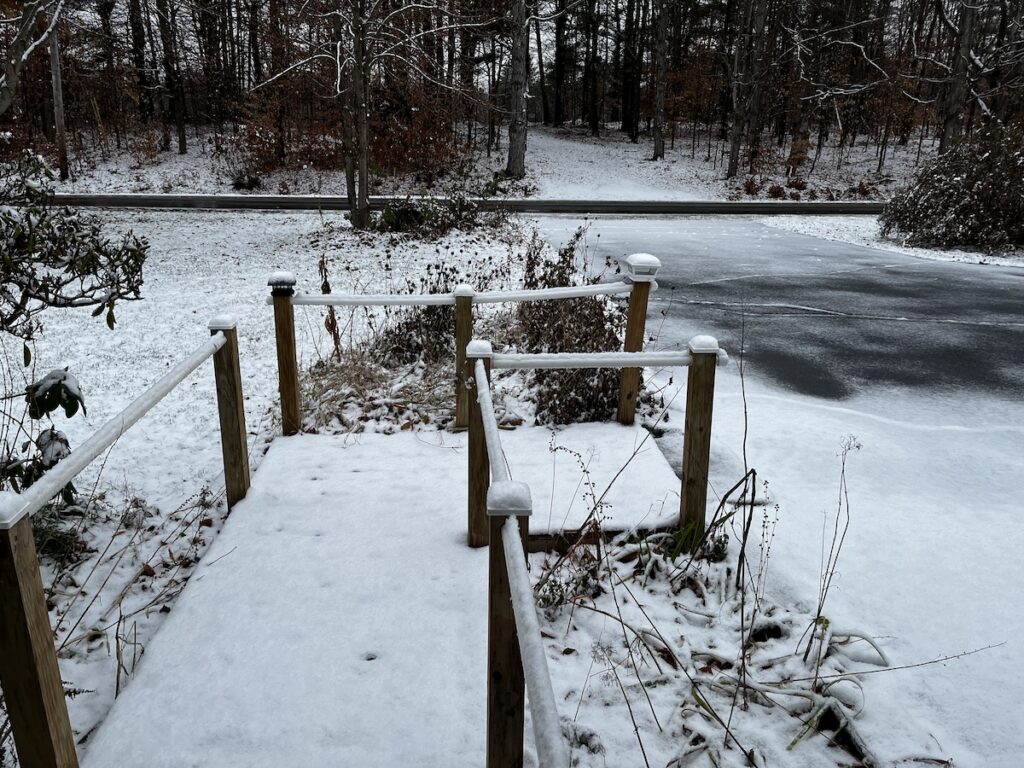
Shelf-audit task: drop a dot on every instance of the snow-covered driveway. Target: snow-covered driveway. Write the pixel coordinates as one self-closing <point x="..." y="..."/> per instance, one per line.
<point x="924" y="363"/>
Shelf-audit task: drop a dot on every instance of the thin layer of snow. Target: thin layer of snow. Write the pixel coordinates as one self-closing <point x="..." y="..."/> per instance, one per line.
<point x="863" y="230"/>
<point x="292" y="642"/>
<point x="593" y="360"/>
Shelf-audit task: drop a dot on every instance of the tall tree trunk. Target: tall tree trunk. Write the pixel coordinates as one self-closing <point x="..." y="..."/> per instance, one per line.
<point x="172" y="79"/>
<point x="558" y="89"/>
<point x="545" y="109"/>
<point x="58" y="105"/>
<point x="138" y="38"/>
<point x="361" y="108"/>
<point x="958" y="86"/>
<point x="593" y="27"/>
<point x="660" y="65"/>
<point x="516" y="165"/>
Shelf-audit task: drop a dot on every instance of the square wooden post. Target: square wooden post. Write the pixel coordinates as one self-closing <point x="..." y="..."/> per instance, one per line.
<point x="479" y="464"/>
<point x="506" y="683"/>
<point x="28" y="664"/>
<point x="231" y="409"/>
<point x="641" y="269"/>
<point x="700" y="396"/>
<point x="463" y="333"/>
<point x="282" y="288"/>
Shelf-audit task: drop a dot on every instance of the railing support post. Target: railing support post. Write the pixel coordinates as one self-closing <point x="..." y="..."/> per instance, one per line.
<point x="282" y="288"/>
<point x="28" y="664"/>
<point x="231" y="409"/>
<point x="641" y="269"/>
<point x="463" y="333"/>
<point x="506" y="683"/>
<point x="479" y="464"/>
<point x="700" y="393"/>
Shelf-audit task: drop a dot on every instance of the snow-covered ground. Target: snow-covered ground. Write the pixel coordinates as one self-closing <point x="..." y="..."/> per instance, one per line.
<point x="561" y="163"/>
<point x="863" y="230"/>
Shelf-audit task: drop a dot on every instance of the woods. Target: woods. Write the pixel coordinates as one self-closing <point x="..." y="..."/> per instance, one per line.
<point x="386" y="86"/>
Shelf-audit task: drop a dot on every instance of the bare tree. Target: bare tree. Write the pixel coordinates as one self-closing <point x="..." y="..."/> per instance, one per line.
<point x="27" y="38"/>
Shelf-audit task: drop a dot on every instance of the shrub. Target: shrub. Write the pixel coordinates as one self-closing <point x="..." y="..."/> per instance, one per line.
<point x="972" y="195"/>
<point x="751" y="187"/>
<point x="776" y="192"/>
<point x="593" y="324"/>
<point x="431" y="217"/>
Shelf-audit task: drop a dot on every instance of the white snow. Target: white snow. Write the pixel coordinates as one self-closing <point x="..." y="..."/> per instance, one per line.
<point x="509" y="497"/>
<point x="863" y="230"/>
<point x="340" y="598"/>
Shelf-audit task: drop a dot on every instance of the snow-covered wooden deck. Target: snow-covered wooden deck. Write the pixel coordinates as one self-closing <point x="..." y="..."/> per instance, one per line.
<point x="339" y="619"/>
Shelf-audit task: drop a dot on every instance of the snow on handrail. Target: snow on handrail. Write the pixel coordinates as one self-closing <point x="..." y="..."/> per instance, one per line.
<point x="547" y="730"/>
<point x="545" y="294"/>
<point x="15" y="507"/>
<point x="495" y="453"/>
<point x="592" y="360"/>
<point x="448" y="299"/>
<point x="374" y="300"/>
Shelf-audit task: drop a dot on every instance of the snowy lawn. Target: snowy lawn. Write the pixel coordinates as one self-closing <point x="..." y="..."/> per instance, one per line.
<point x="162" y="517"/>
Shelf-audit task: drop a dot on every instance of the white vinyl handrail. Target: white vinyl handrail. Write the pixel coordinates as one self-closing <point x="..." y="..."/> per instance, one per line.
<point x="448" y="299"/>
<point x="547" y="730"/>
<point x="14" y="507"/>
<point x="495" y="453"/>
<point x="592" y="360"/>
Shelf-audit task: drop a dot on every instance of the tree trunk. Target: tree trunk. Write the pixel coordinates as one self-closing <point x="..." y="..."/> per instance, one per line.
<point x="138" y="37"/>
<point x="58" y="105"/>
<point x="545" y="110"/>
<point x="660" y="65"/>
<point x="361" y="106"/>
<point x="516" y="166"/>
<point x="956" y="90"/>
<point x="172" y="81"/>
<point x="558" y="90"/>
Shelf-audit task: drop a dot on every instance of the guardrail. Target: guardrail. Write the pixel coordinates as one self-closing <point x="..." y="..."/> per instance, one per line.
<point x="28" y="665"/>
<point x="516" y="664"/>
<point x="513" y="205"/>
<point x="640" y="272"/>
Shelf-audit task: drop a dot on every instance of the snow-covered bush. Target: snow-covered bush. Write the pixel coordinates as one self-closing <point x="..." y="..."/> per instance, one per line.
<point x="973" y="195"/>
<point x="593" y="324"/>
<point x="54" y="256"/>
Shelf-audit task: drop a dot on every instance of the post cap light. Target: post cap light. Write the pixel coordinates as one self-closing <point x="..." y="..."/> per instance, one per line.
<point x="509" y="497"/>
<point x="641" y="267"/>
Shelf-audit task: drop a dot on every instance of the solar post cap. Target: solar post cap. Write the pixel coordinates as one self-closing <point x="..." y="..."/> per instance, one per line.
<point x="641" y="267"/>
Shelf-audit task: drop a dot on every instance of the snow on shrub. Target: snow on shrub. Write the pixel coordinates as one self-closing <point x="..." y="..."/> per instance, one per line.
<point x="973" y="195"/>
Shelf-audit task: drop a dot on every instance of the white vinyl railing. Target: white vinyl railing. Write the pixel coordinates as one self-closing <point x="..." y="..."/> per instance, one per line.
<point x="512" y="499"/>
<point x="50" y="484"/>
<point x="448" y="299"/>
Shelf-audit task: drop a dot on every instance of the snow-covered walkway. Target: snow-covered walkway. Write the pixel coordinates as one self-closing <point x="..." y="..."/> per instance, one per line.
<point x="339" y="618"/>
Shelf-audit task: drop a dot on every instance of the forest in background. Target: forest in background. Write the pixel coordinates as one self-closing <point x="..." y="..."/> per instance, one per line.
<point x="388" y="86"/>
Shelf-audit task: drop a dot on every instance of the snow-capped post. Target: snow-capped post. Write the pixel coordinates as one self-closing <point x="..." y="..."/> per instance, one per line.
<point x="463" y="333"/>
<point x="705" y="356"/>
<point x="640" y="269"/>
<point x="479" y="466"/>
<point x="231" y="409"/>
<point x="506" y="682"/>
<point x="282" y="288"/>
<point x="29" y="675"/>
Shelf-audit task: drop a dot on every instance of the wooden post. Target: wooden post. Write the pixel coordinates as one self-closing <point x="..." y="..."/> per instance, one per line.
<point x="233" y="441"/>
<point x="282" y="288"/>
<point x="640" y="269"/>
<point x="463" y="333"/>
<point x="479" y="464"/>
<point x="506" y="685"/>
<point x="700" y="393"/>
<point x="28" y="664"/>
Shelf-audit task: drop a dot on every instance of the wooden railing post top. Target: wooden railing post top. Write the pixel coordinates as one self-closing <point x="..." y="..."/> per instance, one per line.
<point x="282" y="284"/>
<point x="641" y="267"/>
<point x="708" y="345"/>
<point x="10" y="506"/>
<point x="479" y="348"/>
<point x="509" y="497"/>
<point x="464" y="290"/>
<point x="223" y="323"/>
